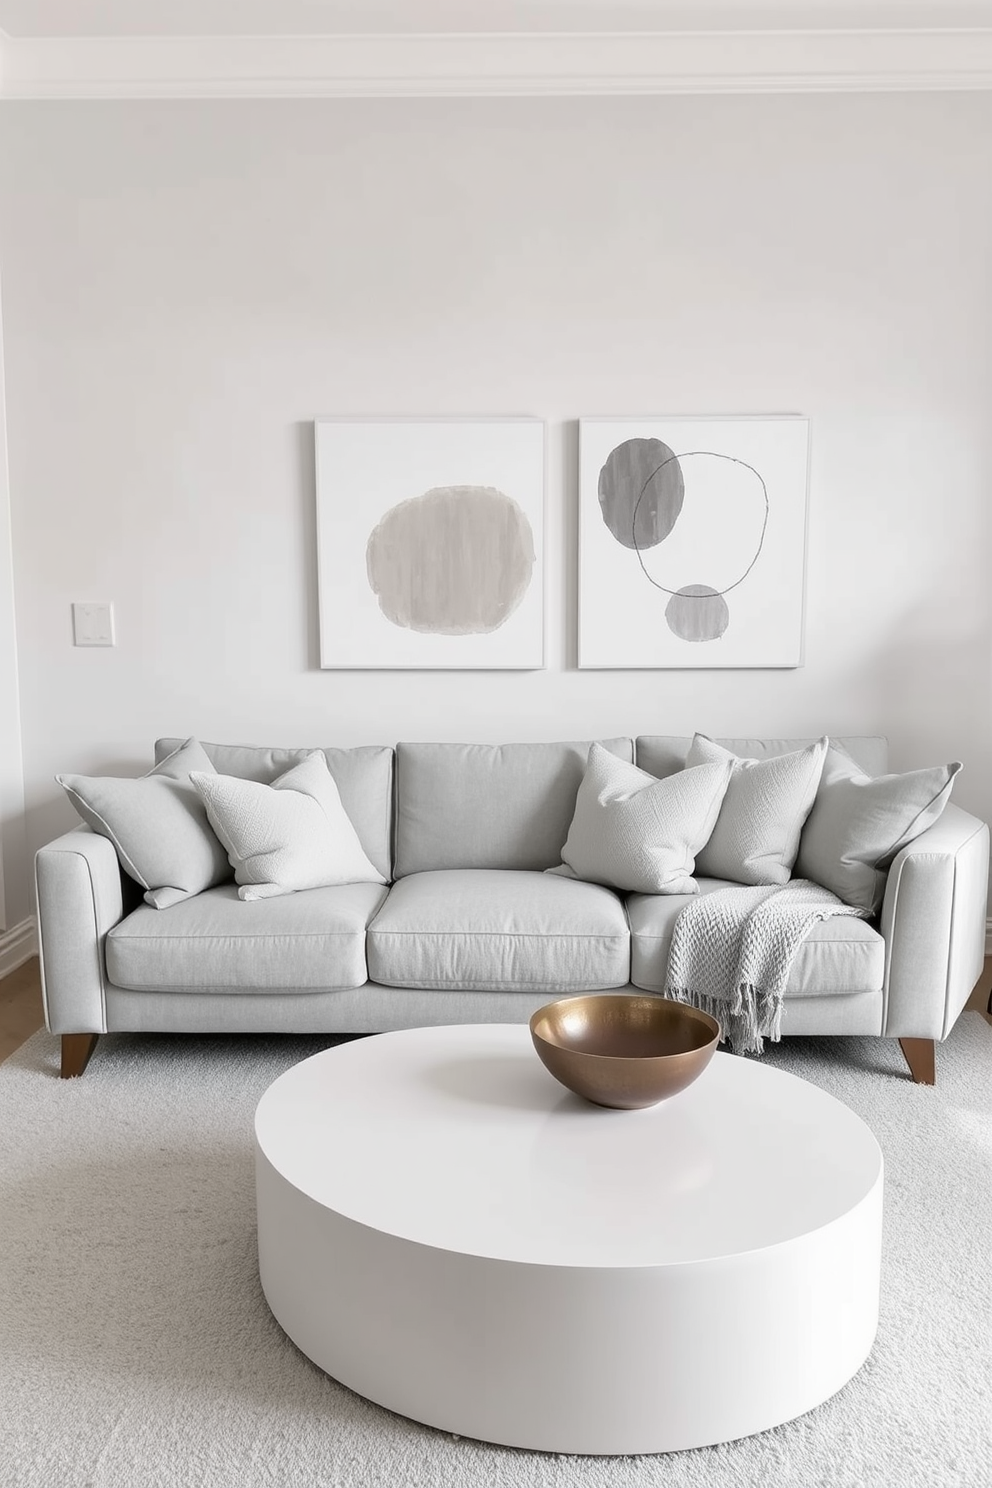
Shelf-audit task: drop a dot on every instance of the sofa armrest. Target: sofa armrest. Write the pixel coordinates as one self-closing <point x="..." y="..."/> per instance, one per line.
<point x="933" y="924"/>
<point x="80" y="896"/>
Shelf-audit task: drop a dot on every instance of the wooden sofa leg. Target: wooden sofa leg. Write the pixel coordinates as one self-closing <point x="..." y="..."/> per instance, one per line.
<point x="920" y="1056"/>
<point x="76" y="1051"/>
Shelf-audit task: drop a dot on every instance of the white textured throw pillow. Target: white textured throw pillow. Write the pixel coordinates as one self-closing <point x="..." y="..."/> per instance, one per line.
<point x="157" y="824"/>
<point x="633" y="831"/>
<point x="293" y="834"/>
<point x="756" y="837"/>
<point x="858" y="824"/>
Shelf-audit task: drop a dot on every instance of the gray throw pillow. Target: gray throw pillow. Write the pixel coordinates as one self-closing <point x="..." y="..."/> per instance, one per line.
<point x="756" y="837"/>
<point x="635" y="832"/>
<point x="858" y="824"/>
<point x="290" y="835"/>
<point x="158" y="825"/>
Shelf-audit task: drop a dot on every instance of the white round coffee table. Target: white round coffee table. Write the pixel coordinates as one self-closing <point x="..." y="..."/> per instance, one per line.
<point x="445" y="1229"/>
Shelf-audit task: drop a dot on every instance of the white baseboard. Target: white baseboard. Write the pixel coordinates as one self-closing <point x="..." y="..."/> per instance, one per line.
<point x="18" y="945"/>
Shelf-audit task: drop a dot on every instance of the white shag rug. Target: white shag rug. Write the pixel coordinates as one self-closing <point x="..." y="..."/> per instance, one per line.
<point x="137" y="1351"/>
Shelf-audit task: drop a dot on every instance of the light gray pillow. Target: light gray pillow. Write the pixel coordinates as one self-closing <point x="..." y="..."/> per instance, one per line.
<point x="756" y="837"/>
<point x="632" y="831"/>
<point x="290" y="835"/>
<point x="858" y="824"/>
<point x="157" y="824"/>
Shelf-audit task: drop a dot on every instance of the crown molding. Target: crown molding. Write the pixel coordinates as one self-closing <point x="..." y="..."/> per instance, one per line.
<point x="496" y="65"/>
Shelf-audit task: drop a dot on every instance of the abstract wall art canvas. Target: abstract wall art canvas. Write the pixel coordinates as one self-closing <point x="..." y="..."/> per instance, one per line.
<point x="692" y="541"/>
<point x="429" y="542"/>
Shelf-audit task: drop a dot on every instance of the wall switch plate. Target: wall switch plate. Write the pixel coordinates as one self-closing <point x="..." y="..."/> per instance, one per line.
<point x="93" y="625"/>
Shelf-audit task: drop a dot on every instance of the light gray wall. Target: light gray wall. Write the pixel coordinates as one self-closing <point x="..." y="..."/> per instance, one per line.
<point x="14" y="903"/>
<point x="187" y="285"/>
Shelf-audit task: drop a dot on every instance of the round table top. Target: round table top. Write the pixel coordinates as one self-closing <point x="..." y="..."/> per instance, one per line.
<point x="460" y="1139"/>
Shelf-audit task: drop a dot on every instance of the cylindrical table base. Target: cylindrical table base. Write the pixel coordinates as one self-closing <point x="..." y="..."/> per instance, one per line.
<point x="576" y="1359"/>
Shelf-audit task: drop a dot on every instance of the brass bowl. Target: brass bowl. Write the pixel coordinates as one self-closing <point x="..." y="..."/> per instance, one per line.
<point x="622" y="1050"/>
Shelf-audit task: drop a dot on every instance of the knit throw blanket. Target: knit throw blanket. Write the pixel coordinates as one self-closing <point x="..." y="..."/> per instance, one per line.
<point x="732" y="951"/>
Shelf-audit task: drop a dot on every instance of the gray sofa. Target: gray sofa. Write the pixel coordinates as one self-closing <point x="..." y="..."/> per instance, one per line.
<point x="470" y="928"/>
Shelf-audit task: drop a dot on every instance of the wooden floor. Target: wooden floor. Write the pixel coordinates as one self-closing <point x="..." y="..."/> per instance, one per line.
<point x="20" y="1006"/>
<point x="21" y="1014"/>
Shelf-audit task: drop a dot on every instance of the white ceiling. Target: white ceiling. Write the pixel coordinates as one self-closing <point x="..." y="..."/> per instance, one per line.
<point x="289" y="48"/>
<point x="230" y="18"/>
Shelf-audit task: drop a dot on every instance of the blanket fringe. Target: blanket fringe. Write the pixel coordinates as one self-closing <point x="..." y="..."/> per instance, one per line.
<point x="748" y="1017"/>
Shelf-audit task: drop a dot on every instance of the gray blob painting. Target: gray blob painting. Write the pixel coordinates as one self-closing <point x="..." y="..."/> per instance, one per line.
<point x="455" y="561"/>
<point x="640" y="492"/>
<point x="697" y="613"/>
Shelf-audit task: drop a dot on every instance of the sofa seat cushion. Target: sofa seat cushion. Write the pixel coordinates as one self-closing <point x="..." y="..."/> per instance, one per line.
<point x="842" y="954"/>
<point x="313" y="941"/>
<point x="499" y="930"/>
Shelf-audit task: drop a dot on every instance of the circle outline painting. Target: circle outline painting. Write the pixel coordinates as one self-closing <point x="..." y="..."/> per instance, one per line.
<point x="692" y="541"/>
<point x="695" y="612"/>
<point x="639" y="547"/>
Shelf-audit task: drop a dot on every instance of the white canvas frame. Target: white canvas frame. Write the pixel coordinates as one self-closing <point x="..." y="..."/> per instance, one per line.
<point x="750" y="469"/>
<point x="365" y="468"/>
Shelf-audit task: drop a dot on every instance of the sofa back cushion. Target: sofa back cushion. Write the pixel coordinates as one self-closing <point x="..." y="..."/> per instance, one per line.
<point x="664" y="754"/>
<point x="363" y="776"/>
<point x="488" y="805"/>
